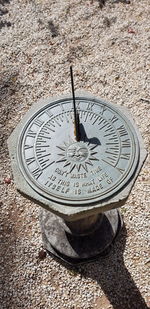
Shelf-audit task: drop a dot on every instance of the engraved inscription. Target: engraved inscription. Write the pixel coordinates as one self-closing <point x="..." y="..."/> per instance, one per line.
<point x="94" y="168"/>
<point x="78" y="176"/>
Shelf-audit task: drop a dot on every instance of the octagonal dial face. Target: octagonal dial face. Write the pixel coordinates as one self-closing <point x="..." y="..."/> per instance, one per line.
<point x="61" y="169"/>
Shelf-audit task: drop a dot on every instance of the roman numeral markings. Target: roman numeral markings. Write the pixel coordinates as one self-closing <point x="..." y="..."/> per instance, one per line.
<point x="86" y="115"/>
<point x="78" y="105"/>
<point x="49" y="113"/>
<point x="112" y="156"/>
<point x="31" y="133"/>
<point x="122" y="131"/>
<point x="120" y="170"/>
<point x="103" y="109"/>
<point x="38" y="122"/>
<point x="37" y="173"/>
<point x="63" y="112"/>
<point x="126" y="143"/>
<point x="90" y="106"/>
<point x="62" y="107"/>
<point x="125" y="156"/>
<point x="114" y="119"/>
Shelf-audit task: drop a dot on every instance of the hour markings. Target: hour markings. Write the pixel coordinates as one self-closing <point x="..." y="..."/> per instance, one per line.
<point x="101" y="126"/>
<point x="26" y="147"/>
<point x="105" y="125"/>
<point x="108" y="162"/>
<point x="44" y="130"/>
<point x="78" y="105"/>
<point x="38" y="122"/>
<point x="114" y="154"/>
<point x="103" y="109"/>
<point x="102" y="121"/>
<point x="95" y="119"/>
<point x="80" y="114"/>
<point x="57" y="122"/>
<point x="125" y="156"/>
<point x="111" y="132"/>
<point x="126" y="143"/>
<point x="44" y="165"/>
<point x="92" y="115"/>
<point x="114" y="139"/>
<point x="115" y="143"/>
<point x="112" y="160"/>
<point x="51" y="123"/>
<point x="31" y="133"/>
<point x="30" y="160"/>
<point x="39" y="141"/>
<point x="90" y="106"/>
<point x="39" y="146"/>
<point x="86" y="116"/>
<point x="115" y="148"/>
<point x="49" y="113"/>
<point x="62" y="107"/>
<point x="47" y="126"/>
<point x="109" y="128"/>
<point x="41" y="157"/>
<point x="122" y="131"/>
<point x="40" y="151"/>
<point x="114" y="119"/>
<point x="42" y="137"/>
<point x="37" y="173"/>
<point x="121" y="170"/>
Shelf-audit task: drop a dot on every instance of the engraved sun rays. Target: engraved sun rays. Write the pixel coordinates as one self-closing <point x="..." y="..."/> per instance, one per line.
<point x="77" y="155"/>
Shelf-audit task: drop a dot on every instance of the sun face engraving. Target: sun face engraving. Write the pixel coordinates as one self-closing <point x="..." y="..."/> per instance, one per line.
<point x="60" y="168"/>
<point x="77" y="155"/>
<point x="77" y="152"/>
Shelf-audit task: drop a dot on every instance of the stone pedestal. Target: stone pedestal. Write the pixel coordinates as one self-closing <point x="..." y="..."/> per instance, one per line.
<point x="81" y="240"/>
<point x="80" y="184"/>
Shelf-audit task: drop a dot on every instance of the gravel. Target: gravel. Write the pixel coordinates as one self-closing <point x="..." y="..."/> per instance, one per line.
<point x="109" y="49"/>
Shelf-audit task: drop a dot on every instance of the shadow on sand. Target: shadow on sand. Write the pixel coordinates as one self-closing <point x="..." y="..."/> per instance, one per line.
<point x="113" y="277"/>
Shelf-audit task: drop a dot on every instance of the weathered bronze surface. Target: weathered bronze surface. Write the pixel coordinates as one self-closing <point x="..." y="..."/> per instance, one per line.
<point x="78" y="172"/>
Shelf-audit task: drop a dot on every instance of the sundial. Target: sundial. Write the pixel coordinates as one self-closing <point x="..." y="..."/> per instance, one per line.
<point x="78" y="157"/>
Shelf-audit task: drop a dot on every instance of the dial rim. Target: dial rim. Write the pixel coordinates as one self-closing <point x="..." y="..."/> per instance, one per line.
<point x="95" y="198"/>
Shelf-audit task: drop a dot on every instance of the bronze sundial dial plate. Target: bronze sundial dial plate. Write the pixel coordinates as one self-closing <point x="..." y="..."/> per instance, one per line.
<point x="81" y="172"/>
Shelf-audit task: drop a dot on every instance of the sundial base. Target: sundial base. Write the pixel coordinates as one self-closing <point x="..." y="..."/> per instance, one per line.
<point x="79" y="241"/>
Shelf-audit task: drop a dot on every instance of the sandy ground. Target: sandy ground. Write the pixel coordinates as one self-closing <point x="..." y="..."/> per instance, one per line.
<point x="109" y="49"/>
